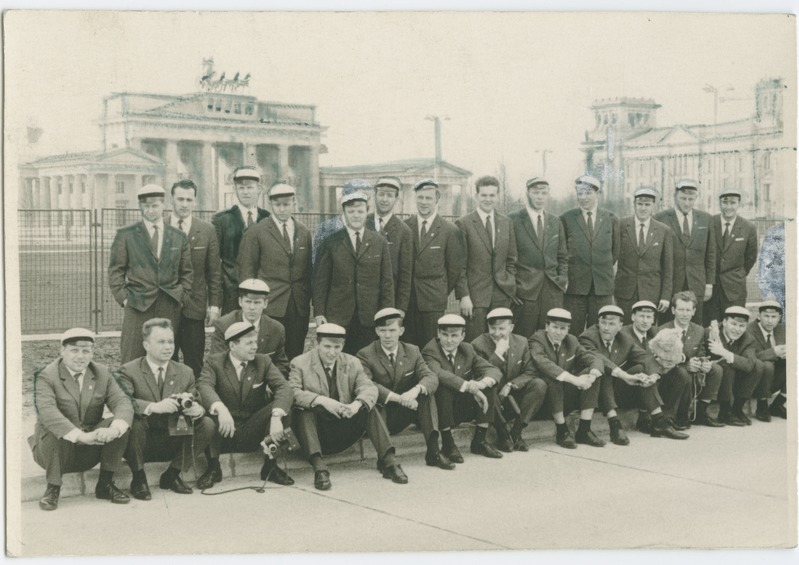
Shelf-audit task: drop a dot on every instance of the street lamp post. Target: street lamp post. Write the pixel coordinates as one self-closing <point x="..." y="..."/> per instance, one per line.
<point x="437" y="123"/>
<point x="543" y="160"/>
<point x="714" y="90"/>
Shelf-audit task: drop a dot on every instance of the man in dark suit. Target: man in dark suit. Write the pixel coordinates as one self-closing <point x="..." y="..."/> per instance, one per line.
<point x="694" y="246"/>
<point x="468" y="387"/>
<point x="71" y="435"/>
<point x="353" y="277"/>
<point x="642" y="328"/>
<point x="201" y="306"/>
<point x="398" y="235"/>
<point x="521" y="391"/>
<point x="149" y="271"/>
<point x="405" y="384"/>
<point x="253" y="300"/>
<point x="573" y="378"/>
<point x="335" y="223"/>
<point x="334" y="404"/>
<point x="543" y="260"/>
<point x="437" y="265"/>
<point x="736" y="254"/>
<point x="230" y="226"/>
<point x="770" y="348"/>
<point x="278" y="252"/>
<point x="489" y="246"/>
<point x="153" y="382"/>
<point x="250" y="401"/>
<point x="646" y="257"/>
<point x="630" y="375"/>
<point x="592" y="238"/>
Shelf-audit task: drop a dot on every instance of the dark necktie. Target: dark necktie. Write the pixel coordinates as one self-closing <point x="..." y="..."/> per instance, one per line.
<point x="451" y="359"/>
<point x="590" y="225"/>
<point x="539" y="227"/>
<point x="249" y="218"/>
<point x="243" y="368"/>
<point x="644" y="342"/>
<point x="286" y="239"/>
<point x="490" y="232"/>
<point x="641" y="238"/>
<point x="391" y="359"/>
<point x="770" y="340"/>
<point x="357" y="243"/>
<point x="161" y="380"/>
<point x="154" y="240"/>
<point x="377" y="223"/>
<point x="180" y="224"/>
<point x="557" y="351"/>
<point x="607" y="345"/>
<point x="726" y="237"/>
<point x="424" y="229"/>
<point x="684" y="333"/>
<point x="79" y="375"/>
<point x="686" y="228"/>
<point x="331" y="382"/>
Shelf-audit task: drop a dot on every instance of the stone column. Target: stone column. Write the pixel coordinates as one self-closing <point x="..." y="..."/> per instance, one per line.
<point x="172" y="161"/>
<point x="250" y="154"/>
<point x="283" y="161"/>
<point x="208" y="197"/>
<point x="314" y="203"/>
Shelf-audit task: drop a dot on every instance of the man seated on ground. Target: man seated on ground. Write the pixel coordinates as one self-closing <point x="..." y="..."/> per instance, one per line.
<point x="769" y="336"/>
<point x="631" y="375"/>
<point x="467" y="389"/>
<point x="666" y="347"/>
<point x="642" y="328"/>
<point x="153" y="382"/>
<point x="334" y="401"/>
<point x="521" y="391"/>
<point x="405" y="384"/>
<point x="71" y="435"/>
<point x="250" y="400"/>
<point x="573" y="377"/>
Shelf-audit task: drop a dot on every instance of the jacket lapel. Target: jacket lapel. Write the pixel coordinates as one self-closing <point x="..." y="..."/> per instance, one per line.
<point x="70" y="384"/>
<point x="277" y="234"/>
<point x="432" y="232"/>
<point x="366" y="241"/>
<point x="583" y="225"/>
<point x="232" y="379"/>
<point x="144" y="238"/>
<point x="529" y="228"/>
<point x="630" y="227"/>
<point x="87" y="391"/>
<point x="149" y="378"/>
<point x="319" y="371"/>
<point x="170" y="381"/>
<point x="480" y="227"/>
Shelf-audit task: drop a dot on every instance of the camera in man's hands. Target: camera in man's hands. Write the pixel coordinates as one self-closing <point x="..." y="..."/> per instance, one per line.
<point x="178" y="423"/>
<point x="289" y="442"/>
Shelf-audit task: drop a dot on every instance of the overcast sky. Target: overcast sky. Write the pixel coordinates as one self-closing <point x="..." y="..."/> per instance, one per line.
<point x="510" y="83"/>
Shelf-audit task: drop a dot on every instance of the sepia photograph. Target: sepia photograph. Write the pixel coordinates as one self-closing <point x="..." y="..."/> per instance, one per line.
<point x="375" y="282"/>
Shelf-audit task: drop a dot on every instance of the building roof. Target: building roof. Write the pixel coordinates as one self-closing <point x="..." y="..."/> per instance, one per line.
<point x="123" y="155"/>
<point x="403" y="166"/>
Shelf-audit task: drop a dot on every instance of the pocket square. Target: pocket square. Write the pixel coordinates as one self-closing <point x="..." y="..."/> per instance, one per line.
<point x="408" y="373"/>
<point x="258" y="385"/>
<point x="570" y="358"/>
<point x="739" y="239"/>
<point x="435" y="247"/>
<point x="199" y="247"/>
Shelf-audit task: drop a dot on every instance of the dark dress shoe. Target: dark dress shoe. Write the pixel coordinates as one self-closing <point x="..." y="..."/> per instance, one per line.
<point x="681" y="425"/>
<point x="778" y="411"/>
<point x="485" y="449"/>
<point x="396" y="474"/>
<point x="589" y="438"/>
<point x="321" y="480"/>
<point x="667" y="430"/>
<point x="111" y="492"/>
<point x="763" y="415"/>
<point x="140" y="490"/>
<point x="174" y="483"/>
<point x="704" y="419"/>
<point x="617" y="434"/>
<point x="520" y="445"/>
<point x="452" y="453"/>
<point x="732" y="420"/>
<point x="644" y="424"/>
<point x="505" y="444"/>
<point x="742" y="417"/>
<point x="50" y="499"/>
<point x="437" y="459"/>
<point x="566" y="440"/>
<point x="212" y="475"/>
<point x="276" y="475"/>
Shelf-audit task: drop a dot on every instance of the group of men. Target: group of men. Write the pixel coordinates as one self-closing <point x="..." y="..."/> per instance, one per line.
<point x="553" y="310"/>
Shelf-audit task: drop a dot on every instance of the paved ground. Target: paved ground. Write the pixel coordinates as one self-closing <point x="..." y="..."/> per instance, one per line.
<point x="721" y="488"/>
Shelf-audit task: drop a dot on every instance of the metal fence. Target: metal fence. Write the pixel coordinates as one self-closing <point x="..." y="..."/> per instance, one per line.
<point x="63" y="261"/>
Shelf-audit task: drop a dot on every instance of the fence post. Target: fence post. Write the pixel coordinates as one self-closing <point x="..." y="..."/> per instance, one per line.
<point x="97" y="236"/>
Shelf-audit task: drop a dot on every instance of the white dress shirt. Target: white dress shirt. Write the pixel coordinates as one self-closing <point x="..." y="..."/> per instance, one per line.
<point x="289" y="228"/>
<point x="638" y="229"/>
<point x="243" y="210"/>
<point x="186" y="223"/>
<point x="483" y="218"/>
<point x="150" y="229"/>
<point x="430" y="219"/>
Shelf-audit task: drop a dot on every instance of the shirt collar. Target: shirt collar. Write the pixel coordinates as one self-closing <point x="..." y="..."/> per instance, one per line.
<point x="387" y="352"/>
<point x="645" y="222"/>
<point x="483" y="216"/>
<point x="592" y="210"/>
<point x="730" y="341"/>
<point x="680" y="214"/>
<point x="244" y="211"/>
<point x="765" y="332"/>
<point x="429" y="219"/>
<point x="149" y="225"/>
<point x="186" y="221"/>
<point x="333" y="366"/>
<point x="732" y="224"/>
<point x="73" y="373"/>
<point x="641" y="336"/>
<point x="279" y="224"/>
<point x="552" y="343"/>
<point x="236" y="362"/>
<point x="534" y="213"/>
<point x="154" y="367"/>
<point x="352" y="232"/>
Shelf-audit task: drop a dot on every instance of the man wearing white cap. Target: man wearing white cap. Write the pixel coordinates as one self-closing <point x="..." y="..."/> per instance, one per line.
<point x="736" y="254"/>
<point x="149" y="271"/>
<point x="230" y="226"/>
<point x="521" y="391"/>
<point x="642" y="327"/>
<point x="769" y="337"/>
<point x="334" y="404"/>
<point x="646" y="257"/>
<point x="353" y="278"/>
<point x="278" y="252"/>
<point x="334" y="224"/>
<point x="592" y="237"/>
<point x="71" y="435"/>
<point x="250" y="399"/>
<point x="694" y="246"/>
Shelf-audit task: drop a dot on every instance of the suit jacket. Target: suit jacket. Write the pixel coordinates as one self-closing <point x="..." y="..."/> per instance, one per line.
<point x="736" y="259"/>
<point x="591" y="259"/>
<point x="694" y="344"/>
<point x="695" y="256"/>
<point x="625" y="351"/>
<point x="437" y="264"/>
<point x="649" y="272"/>
<point x="490" y="271"/>
<point x="61" y="407"/>
<point x="400" y="244"/>
<point x="308" y="379"/>
<point x="136" y="274"/>
<point x="572" y="356"/>
<point x="271" y="338"/>
<point x="469" y="366"/>
<point x="516" y="367"/>
<point x="260" y="383"/>
<point x="345" y="283"/>
<point x="744" y="351"/>
<point x="138" y="381"/>
<point x="408" y="371"/>
<point x="537" y="259"/>
<point x="763" y="350"/>
<point x="264" y="255"/>
<point x="230" y="229"/>
<point x="628" y="330"/>
<point x="206" y="285"/>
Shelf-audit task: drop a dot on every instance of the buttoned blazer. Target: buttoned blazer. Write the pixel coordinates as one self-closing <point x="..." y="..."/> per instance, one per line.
<point x="138" y="381"/>
<point x="136" y="274"/>
<point x="763" y="350"/>
<point x="516" y="367"/>
<point x="539" y="258"/>
<point x="61" y="406"/>
<point x="628" y="330"/>
<point x="469" y="366"/>
<point x="308" y="379"/>
<point x="437" y="264"/>
<point x="230" y="228"/>
<point x="736" y="259"/>
<point x="744" y="351"/>
<point x="490" y="271"/>
<point x="409" y="370"/>
<point x="591" y="259"/>
<point x="345" y="282"/>
<point x="400" y="244"/>
<point x="572" y="357"/>
<point x="694" y="344"/>
<point x="649" y="272"/>
<point x="264" y="255"/>
<point x="206" y="285"/>
<point x="624" y="351"/>
<point x="694" y="256"/>
<point x="260" y="383"/>
<point x="271" y="338"/>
